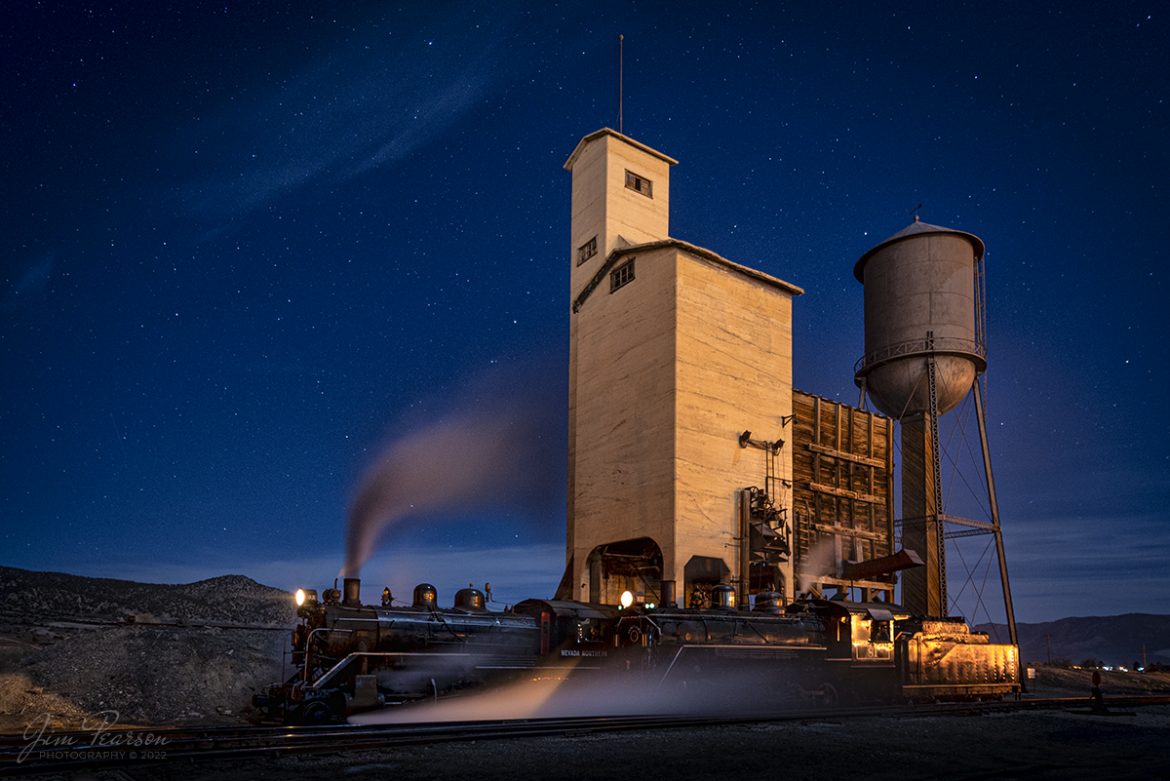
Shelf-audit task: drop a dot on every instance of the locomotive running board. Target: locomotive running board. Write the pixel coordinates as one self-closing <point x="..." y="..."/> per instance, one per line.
<point x="336" y="669"/>
<point x="748" y="650"/>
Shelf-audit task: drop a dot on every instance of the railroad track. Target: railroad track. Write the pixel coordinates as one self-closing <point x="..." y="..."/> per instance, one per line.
<point x="62" y="751"/>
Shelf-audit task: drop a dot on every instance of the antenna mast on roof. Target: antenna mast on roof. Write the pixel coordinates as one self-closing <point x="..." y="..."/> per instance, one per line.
<point x="621" y="47"/>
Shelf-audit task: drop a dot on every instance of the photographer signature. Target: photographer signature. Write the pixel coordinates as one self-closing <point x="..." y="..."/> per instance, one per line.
<point x="101" y="738"/>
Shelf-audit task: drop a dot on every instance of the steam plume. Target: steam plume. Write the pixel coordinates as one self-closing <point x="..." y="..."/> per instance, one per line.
<point x="821" y="560"/>
<point x="499" y="445"/>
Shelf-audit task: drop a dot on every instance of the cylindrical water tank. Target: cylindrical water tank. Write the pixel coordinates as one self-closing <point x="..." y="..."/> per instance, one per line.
<point x="920" y="301"/>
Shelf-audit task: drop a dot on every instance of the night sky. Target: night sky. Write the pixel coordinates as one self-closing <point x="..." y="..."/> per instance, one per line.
<point x="248" y="247"/>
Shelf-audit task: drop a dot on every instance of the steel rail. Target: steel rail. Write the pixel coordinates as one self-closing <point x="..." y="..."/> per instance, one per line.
<point x="208" y="744"/>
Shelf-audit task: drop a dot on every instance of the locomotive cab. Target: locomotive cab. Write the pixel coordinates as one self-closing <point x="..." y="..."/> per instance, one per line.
<point x="872" y="636"/>
<point x="860" y="643"/>
<point x="570" y="630"/>
<point x="856" y="633"/>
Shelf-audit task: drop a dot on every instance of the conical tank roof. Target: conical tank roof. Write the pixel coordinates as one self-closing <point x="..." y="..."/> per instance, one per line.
<point x="916" y="228"/>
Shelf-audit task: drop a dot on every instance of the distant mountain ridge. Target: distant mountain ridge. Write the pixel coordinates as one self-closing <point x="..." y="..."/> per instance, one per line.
<point x="235" y="599"/>
<point x="228" y="599"/>
<point x="1115" y="640"/>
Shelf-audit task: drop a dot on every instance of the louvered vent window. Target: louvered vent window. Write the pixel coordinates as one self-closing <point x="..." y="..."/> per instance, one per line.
<point x="639" y="184"/>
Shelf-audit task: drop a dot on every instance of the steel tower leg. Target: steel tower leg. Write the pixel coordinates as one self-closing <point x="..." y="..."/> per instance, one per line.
<point x="936" y="518"/>
<point x="1003" y="573"/>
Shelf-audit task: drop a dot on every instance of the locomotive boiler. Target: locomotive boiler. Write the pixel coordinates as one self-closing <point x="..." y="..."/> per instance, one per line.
<point x="351" y="657"/>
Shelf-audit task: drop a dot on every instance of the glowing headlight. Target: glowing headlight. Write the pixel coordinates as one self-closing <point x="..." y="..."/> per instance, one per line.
<point x="627" y="598"/>
<point x="300" y="597"/>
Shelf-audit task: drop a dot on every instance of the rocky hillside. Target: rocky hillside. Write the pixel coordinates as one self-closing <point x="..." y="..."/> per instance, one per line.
<point x="1115" y="640"/>
<point x="156" y="654"/>
<point x="231" y="599"/>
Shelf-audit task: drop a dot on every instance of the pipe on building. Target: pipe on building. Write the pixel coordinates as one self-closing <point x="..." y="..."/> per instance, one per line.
<point x="745" y="556"/>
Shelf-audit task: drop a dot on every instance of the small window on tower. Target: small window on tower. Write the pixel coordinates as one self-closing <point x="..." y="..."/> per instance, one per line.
<point x="622" y="275"/>
<point x="586" y="250"/>
<point x="639" y="184"/>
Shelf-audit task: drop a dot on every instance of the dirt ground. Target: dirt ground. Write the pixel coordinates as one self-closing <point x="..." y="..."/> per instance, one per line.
<point x="1048" y="745"/>
<point x="67" y="651"/>
<point x="1062" y="682"/>
<point x="1063" y="744"/>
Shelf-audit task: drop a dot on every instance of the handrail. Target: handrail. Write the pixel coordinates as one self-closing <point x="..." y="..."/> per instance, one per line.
<point x="923" y="346"/>
<point x="336" y="669"/>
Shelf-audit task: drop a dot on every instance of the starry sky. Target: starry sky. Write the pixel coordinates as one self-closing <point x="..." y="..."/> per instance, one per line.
<point x="246" y="248"/>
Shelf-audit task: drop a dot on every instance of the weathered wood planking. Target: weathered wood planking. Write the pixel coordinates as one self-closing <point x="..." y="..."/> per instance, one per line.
<point x="842" y="470"/>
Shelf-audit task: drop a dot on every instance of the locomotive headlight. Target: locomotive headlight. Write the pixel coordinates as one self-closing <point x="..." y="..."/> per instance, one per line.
<point x="307" y="597"/>
<point x="627" y="598"/>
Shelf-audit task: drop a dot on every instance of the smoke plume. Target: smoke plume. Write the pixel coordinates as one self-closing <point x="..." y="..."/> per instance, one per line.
<point x="499" y="444"/>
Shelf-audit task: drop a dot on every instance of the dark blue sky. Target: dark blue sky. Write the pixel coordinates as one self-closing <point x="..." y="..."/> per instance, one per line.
<point x="245" y="247"/>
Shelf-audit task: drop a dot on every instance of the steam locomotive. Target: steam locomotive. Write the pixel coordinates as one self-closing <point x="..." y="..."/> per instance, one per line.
<point x="352" y="657"/>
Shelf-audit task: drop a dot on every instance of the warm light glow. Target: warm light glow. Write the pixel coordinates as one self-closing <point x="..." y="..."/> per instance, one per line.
<point x="300" y="597"/>
<point x="627" y="598"/>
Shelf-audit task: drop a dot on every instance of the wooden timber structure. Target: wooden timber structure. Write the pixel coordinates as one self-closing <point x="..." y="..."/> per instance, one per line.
<point x="842" y="491"/>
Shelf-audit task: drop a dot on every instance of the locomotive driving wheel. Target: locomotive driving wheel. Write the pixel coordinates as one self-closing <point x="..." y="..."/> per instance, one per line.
<point x="316" y="713"/>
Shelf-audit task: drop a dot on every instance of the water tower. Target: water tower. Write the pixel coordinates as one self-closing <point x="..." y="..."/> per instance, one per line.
<point x="924" y="352"/>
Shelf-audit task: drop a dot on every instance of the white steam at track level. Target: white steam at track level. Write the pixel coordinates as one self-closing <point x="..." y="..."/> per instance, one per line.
<point x="584" y="693"/>
<point x="498" y="445"/>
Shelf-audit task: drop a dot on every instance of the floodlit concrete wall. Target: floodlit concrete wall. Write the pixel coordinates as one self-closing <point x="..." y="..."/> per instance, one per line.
<point x="604" y="207"/>
<point x="668" y="370"/>
<point x="623" y="414"/>
<point x="636" y="217"/>
<point x="734" y="374"/>
<point x="664" y="374"/>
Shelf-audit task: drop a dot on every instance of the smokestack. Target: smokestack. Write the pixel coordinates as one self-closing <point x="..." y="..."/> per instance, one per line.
<point x="666" y="594"/>
<point x="353" y="592"/>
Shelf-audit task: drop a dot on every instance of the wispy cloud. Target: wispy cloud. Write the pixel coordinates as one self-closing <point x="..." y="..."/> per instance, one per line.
<point x="366" y="106"/>
<point x="28" y="284"/>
